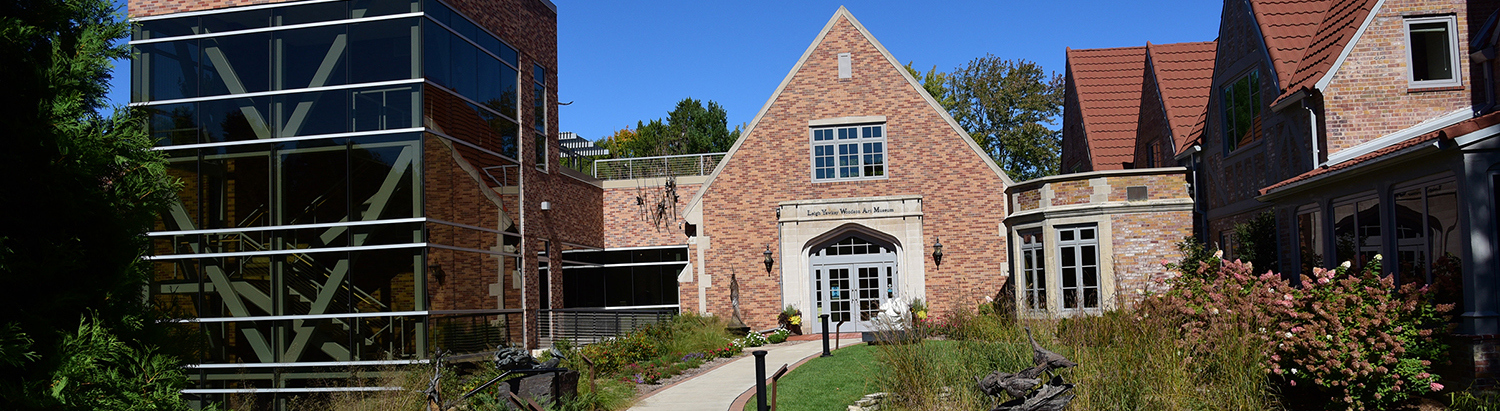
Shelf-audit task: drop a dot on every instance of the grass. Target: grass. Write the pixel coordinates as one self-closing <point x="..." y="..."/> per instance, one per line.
<point x="826" y="383"/>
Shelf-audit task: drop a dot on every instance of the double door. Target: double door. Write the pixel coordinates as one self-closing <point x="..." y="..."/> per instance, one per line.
<point x="853" y="293"/>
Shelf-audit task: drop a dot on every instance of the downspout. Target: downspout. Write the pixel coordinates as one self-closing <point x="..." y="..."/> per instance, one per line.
<point x="1312" y="132"/>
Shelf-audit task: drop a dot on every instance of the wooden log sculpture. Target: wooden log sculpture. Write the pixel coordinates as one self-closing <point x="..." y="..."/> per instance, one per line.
<point x="1026" y="387"/>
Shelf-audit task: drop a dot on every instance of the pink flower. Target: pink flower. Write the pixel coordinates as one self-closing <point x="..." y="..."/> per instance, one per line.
<point x="1294" y="383"/>
<point x="1436" y="387"/>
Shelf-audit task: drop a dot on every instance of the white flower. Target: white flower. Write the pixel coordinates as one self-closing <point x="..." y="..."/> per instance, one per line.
<point x="1294" y="371"/>
<point x="1219" y="254"/>
<point x="1289" y="335"/>
<point x="1213" y="311"/>
<point x="1262" y="329"/>
<point x="1140" y="291"/>
<point x="1377" y="257"/>
<point x="1345" y="265"/>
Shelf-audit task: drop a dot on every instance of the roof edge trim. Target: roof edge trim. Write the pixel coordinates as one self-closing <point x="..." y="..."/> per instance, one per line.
<point x="1349" y="47"/>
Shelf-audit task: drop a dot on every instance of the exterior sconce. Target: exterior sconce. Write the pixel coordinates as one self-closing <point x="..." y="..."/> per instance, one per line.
<point x="769" y="261"/>
<point x="937" y="253"/>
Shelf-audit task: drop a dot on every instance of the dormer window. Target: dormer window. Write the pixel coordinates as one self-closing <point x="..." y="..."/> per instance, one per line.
<point x="1432" y="52"/>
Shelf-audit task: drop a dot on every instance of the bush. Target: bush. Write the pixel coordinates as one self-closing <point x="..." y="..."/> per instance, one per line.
<point x="779" y="336"/>
<point x="754" y="339"/>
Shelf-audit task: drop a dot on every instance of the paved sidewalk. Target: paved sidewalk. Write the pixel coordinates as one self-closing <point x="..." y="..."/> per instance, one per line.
<point x="716" y="390"/>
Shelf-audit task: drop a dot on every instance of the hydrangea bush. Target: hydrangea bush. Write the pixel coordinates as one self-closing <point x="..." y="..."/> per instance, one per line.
<point x="1353" y="336"/>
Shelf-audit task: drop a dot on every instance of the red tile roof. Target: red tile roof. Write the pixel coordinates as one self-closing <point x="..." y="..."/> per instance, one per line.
<point x="1446" y="133"/>
<point x="1288" y="26"/>
<point x="1342" y="20"/>
<point x="1108" y="85"/>
<point x="1184" y="73"/>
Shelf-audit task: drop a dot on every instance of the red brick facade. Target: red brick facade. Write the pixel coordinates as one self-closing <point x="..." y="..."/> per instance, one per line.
<point x="962" y="199"/>
<point x="626" y="223"/>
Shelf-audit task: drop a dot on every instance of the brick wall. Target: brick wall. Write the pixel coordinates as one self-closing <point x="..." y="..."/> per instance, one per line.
<point x="1071" y="192"/>
<point x="1369" y="98"/>
<point x="962" y="201"/>
<point x="1152" y="131"/>
<point x="1143" y="243"/>
<point x="626" y="224"/>
<point x="1075" y="145"/>
<point x="1158" y="186"/>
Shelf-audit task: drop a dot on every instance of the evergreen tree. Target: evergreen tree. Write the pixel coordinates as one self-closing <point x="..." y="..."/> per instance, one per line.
<point x="81" y="189"/>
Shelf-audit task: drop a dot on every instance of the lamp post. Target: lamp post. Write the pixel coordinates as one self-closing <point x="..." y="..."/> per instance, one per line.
<point x="937" y="253"/>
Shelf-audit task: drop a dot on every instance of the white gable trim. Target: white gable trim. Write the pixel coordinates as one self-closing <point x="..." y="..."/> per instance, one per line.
<point x="1322" y="83"/>
<point x="693" y="213"/>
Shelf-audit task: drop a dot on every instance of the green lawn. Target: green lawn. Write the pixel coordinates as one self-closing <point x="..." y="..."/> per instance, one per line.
<point x="826" y="383"/>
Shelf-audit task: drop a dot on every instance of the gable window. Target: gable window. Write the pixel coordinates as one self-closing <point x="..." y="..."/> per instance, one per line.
<point x="1241" y="105"/>
<point x="1432" y="52"/>
<point x="848" y="152"/>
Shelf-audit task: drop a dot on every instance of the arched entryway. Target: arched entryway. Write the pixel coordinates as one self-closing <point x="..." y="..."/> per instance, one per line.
<point x="852" y="276"/>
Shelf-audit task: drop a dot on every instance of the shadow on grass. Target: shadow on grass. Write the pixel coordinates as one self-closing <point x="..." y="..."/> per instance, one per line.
<point x="826" y="383"/>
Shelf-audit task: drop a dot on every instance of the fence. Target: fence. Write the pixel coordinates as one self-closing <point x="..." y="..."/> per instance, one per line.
<point x="481" y="332"/>
<point x="591" y="325"/>
<point x="662" y="166"/>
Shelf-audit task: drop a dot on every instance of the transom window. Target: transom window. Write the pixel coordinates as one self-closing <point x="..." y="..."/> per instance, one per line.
<point x="1241" y="105"/>
<point x="1432" y="51"/>
<point x="848" y="152"/>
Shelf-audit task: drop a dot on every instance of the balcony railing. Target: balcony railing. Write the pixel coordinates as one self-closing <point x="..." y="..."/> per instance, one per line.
<point x="591" y="325"/>
<point x="653" y="167"/>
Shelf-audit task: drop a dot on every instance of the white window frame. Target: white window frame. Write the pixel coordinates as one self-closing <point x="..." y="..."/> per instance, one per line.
<point x="1077" y="244"/>
<point x="859" y="141"/>
<point x="1033" y="278"/>
<point x="1453" y="53"/>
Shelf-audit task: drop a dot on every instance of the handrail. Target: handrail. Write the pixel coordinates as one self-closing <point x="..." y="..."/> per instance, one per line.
<point x="657" y="166"/>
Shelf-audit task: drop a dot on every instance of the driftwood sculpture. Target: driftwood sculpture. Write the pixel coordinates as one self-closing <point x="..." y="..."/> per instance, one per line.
<point x="1026" y="387"/>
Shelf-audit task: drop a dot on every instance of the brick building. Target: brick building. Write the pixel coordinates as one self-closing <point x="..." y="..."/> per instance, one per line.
<point x="1364" y="127"/>
<point x="366" y="182"/>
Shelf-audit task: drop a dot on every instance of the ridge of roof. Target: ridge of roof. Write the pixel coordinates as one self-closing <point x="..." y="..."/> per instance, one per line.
<point x="1184" y="77"/>
<point x="1287" y="27"/>
<point x="1340" y="27"/>
<point x="1108" y="84"/>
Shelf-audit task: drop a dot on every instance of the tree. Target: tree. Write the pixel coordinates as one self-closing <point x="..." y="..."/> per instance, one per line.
<point x="691" y="128"/>
<point x="82" y="190"/>
<point x="1007" y="107"/>
<point x="935" y="82"/>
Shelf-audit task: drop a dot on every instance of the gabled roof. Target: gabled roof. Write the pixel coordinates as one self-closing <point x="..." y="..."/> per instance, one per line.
<point x="1184" y="75"/>
<point x="1288" y="26"/>
<point x="692" y="213"/>
<point x="1395" y="150"/>
<point x="1339" y="29"/>
<point x="1108" y="85"/>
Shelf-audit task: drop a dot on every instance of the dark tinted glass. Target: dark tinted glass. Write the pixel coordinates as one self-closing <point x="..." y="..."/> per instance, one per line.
<point x="249" y="19"/>
<point x="386" y="108"/>
<point x="304" y="114"/>
<point x="236" y="64"/>
<point x="539" y="104"/>
<point x="508" y="54"/>
<point x="165" y="71"/>
<point x="174" y="123"/>
<point x="378" y="279"/>
<point x="437" y="11"/>
<point x="155" y="29"/>
<point x="236" y="184"/>
<point x="235" y="119"/>
<point x="437" y="59"/>
<point x="489" y="87"/>
<point x="382" y="50"/>
<point x="509" y="135"/>
<point x="508" y="91"/>
<point x="311" y="57"/>
<point x="310" y="13"/>
<point x="372" y="8"/>
<point x="381" y="178"/>
<point x="463" y="27"/>
<point x="465" y="78"/>
<point x="538" y="74"/>
<point x="312" y="177"/>
<point x="488" y="42"/>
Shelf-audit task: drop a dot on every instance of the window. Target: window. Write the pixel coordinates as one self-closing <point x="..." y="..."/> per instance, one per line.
<point x="1310" y="239"/>
<point x="539" y="114"/>
<point x="1078" y="261"/>
<point x="1241" y="105"/>
<point x="1432" y="51"/>
<point x="1356" y="231"/>
<point x="848" y="152"/>
<point x="1426" y="232"/>
<point x="1033" y="272"/>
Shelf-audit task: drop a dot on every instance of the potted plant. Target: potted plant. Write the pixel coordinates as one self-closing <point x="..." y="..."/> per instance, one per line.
<point x="791" y="319"/>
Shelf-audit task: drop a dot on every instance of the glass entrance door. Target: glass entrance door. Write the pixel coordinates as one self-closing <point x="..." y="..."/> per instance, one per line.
<point x="852" y="278"/>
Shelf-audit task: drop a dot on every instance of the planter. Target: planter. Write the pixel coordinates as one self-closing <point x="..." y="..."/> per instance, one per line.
<point x="795" y="329"/>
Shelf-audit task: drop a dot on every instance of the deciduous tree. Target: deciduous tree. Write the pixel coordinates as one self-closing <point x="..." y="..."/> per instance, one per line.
<point x="1009" y="108"/>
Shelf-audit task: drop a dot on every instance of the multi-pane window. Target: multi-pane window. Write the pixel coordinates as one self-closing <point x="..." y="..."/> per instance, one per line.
<point x="1356" y="231"/>
<point x="1033" y="271"/>
<point x="539" y="113"/>
<point x="1078" y="264"/>
<point x="1432" y="51"/>
<point x="848" y="152"/>
<point x="1426" y="232"/>
<point x="1241" y="106"/>
<point x="1310" y="239"/>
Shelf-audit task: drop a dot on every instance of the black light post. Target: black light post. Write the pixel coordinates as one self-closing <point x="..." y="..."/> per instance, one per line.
<point x="826" y="353"/>
<point x="760" y="380"/>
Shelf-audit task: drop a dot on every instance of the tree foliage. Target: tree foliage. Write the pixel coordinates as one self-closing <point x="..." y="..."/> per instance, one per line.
<point x="82" y="189"/>
<point x="935" y="82"/>
<point x="1007" y="106"/>
<point x="690" y="128"/>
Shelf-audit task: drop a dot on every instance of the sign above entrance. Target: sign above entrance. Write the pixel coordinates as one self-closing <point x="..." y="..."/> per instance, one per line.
<point x="851" y="208"/>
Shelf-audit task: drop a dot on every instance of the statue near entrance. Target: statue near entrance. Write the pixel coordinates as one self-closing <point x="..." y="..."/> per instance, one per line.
<point x="736" y="325"/>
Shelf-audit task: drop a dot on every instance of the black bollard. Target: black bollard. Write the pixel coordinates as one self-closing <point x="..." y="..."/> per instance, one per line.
<point x="760" y="380"/>
<point x="826" y="353"/>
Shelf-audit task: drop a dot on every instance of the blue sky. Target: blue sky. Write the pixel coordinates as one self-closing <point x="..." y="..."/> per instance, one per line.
<point x="622" y="61"/>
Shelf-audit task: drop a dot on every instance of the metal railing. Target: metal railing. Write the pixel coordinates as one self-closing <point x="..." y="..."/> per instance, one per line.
<point x="661" y="166"/>
<point x="591" y="325"/>
<point x="472" y="333"/>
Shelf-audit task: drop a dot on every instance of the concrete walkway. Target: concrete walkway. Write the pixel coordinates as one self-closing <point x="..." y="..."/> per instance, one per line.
<point x="716" y="390"/>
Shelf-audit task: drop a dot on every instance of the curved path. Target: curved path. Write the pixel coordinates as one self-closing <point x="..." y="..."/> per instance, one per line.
<point x="717" y="389"/>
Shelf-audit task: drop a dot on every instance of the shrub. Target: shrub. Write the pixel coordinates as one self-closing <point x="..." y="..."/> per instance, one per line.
<point x="778" y="336"/>
<point x="754" y="339"/>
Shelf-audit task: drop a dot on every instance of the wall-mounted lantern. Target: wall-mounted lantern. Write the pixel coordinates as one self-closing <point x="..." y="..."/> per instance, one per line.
<point x="937" y="253"/>
<point x="769" y="261"/>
